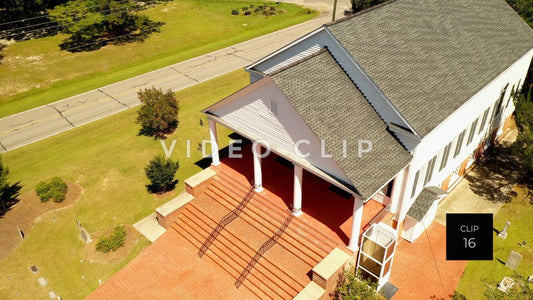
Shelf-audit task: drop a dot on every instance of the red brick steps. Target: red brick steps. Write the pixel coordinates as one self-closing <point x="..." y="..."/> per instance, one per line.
<point x="232" y="254"/>
<point x="325" y="242"/>
<point x="266" y="224"/>
<point x="281" y="273"/>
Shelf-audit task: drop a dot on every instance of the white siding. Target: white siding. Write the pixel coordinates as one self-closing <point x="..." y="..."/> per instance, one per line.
<point x="413" y="229"/>
<point x="460" y="120"/>
<point x="251" y="110"/>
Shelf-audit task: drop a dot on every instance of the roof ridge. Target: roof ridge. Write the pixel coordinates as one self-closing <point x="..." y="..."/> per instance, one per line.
<point x="322" y="50"/>
<point x="359" y="13"/>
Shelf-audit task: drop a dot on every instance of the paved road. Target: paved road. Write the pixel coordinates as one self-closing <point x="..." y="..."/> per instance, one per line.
<point x="39" y="123"/>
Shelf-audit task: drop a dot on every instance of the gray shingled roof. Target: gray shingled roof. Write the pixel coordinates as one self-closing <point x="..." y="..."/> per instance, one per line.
<point x="431" y="56"/>
<point x="423" y="202"/>
<point x="335" y="110"/>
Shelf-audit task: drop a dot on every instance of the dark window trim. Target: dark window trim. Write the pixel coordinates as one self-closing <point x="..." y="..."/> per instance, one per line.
<point x="459" y="143"/>
<point x="472" y="131"/>
<point x="498" y="105"/>
<point x="415" y="183"/>
<point x="429" y="170"/>
<point x="484" y="120"/>
<point x="445" y="156"/>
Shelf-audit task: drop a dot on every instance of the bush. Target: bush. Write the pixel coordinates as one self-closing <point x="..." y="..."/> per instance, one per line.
<point x="42" y="189"/>
<point x="458" y="296"/>
<point x="234" y="12"/>
<point x="160" y="172"/>
<point x="112" y="242"/>
<point x="352" y="287"/>
<point x="247" y="13"/>
<point x="158" y="114"/>
<point x="244" y="8"/>
<point x="55" y="189"/>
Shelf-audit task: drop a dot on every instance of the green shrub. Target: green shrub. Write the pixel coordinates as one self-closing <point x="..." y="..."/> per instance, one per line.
<point x="161" y="172"/>
<point x="352" y="287"/>
<point x="42" y="191"/>
<point x="234" y="12"/>
<point x="112" y="242"/>
<point x="55" y="189"/>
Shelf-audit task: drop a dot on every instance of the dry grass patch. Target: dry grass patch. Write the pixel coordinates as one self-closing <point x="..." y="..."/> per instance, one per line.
<point x="28" y="211"/>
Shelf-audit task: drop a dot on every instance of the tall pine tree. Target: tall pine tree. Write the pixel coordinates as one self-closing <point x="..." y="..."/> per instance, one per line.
<point x="8" y="192"/>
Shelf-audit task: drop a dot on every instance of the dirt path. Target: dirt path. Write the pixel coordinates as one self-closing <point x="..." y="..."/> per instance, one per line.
<point x="24" y="214"/>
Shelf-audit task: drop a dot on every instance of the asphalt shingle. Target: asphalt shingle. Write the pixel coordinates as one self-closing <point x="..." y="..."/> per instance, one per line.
<point x="430" y="56"/>
<point x="424" y="201"/>
<point x="336" y="110"/>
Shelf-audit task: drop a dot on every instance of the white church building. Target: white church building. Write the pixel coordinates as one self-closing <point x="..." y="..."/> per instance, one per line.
<point x="393" y="103"/>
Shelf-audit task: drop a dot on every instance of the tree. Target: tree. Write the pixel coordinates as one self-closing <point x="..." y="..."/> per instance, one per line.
<point x="523" y="147"/>
<point x="161" y="171"/>
<point x="359" y="5"/>
<point x="26" y="19"/>
<point x="158" y="114"/>
<point x="8" y="192"/>
<point x="96" y="23"/>
<point x="524" y="8"/>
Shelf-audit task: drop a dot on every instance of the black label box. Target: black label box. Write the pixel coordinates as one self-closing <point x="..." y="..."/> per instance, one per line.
<point x="469" y="237"/>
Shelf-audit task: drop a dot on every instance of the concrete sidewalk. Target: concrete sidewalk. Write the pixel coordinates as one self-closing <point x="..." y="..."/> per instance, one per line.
<point x="44" y="121"/>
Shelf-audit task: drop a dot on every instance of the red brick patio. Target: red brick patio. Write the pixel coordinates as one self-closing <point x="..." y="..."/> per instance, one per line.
<point x="321" y="207"/>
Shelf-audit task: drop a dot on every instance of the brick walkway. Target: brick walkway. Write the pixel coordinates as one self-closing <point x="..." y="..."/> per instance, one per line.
<point x="414" y="270"/>
<point x="170" y="269"/>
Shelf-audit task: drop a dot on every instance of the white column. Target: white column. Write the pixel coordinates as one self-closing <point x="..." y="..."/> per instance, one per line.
<point x="214" y="142"/>
<point x="397" y="191"/>
<point x="258" y="172"/>
<point x="297" y="193"/>
<point x="405" y="202"/>
<point x="357" y="218"/>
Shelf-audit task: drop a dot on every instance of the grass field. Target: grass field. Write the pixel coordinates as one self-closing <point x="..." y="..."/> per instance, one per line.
<point x="107" y="159"/>
<point x="36" y="72"/>
<point x="519" y="213"/>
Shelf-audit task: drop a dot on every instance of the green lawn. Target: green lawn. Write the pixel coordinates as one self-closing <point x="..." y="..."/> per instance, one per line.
<point x="107" y="159"/>
<point x="36" y="72"/>
<point x="519" y="213"/>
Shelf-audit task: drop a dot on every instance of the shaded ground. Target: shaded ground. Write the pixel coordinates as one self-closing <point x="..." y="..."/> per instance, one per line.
<point x="495" y="175"/>
<point x="26" y="212"/>
<point x="462" y="199"/>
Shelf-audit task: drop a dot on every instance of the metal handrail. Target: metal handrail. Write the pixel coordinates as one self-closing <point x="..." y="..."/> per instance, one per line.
<point x="228" y="218"/>
<point x="263" y="249"/>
